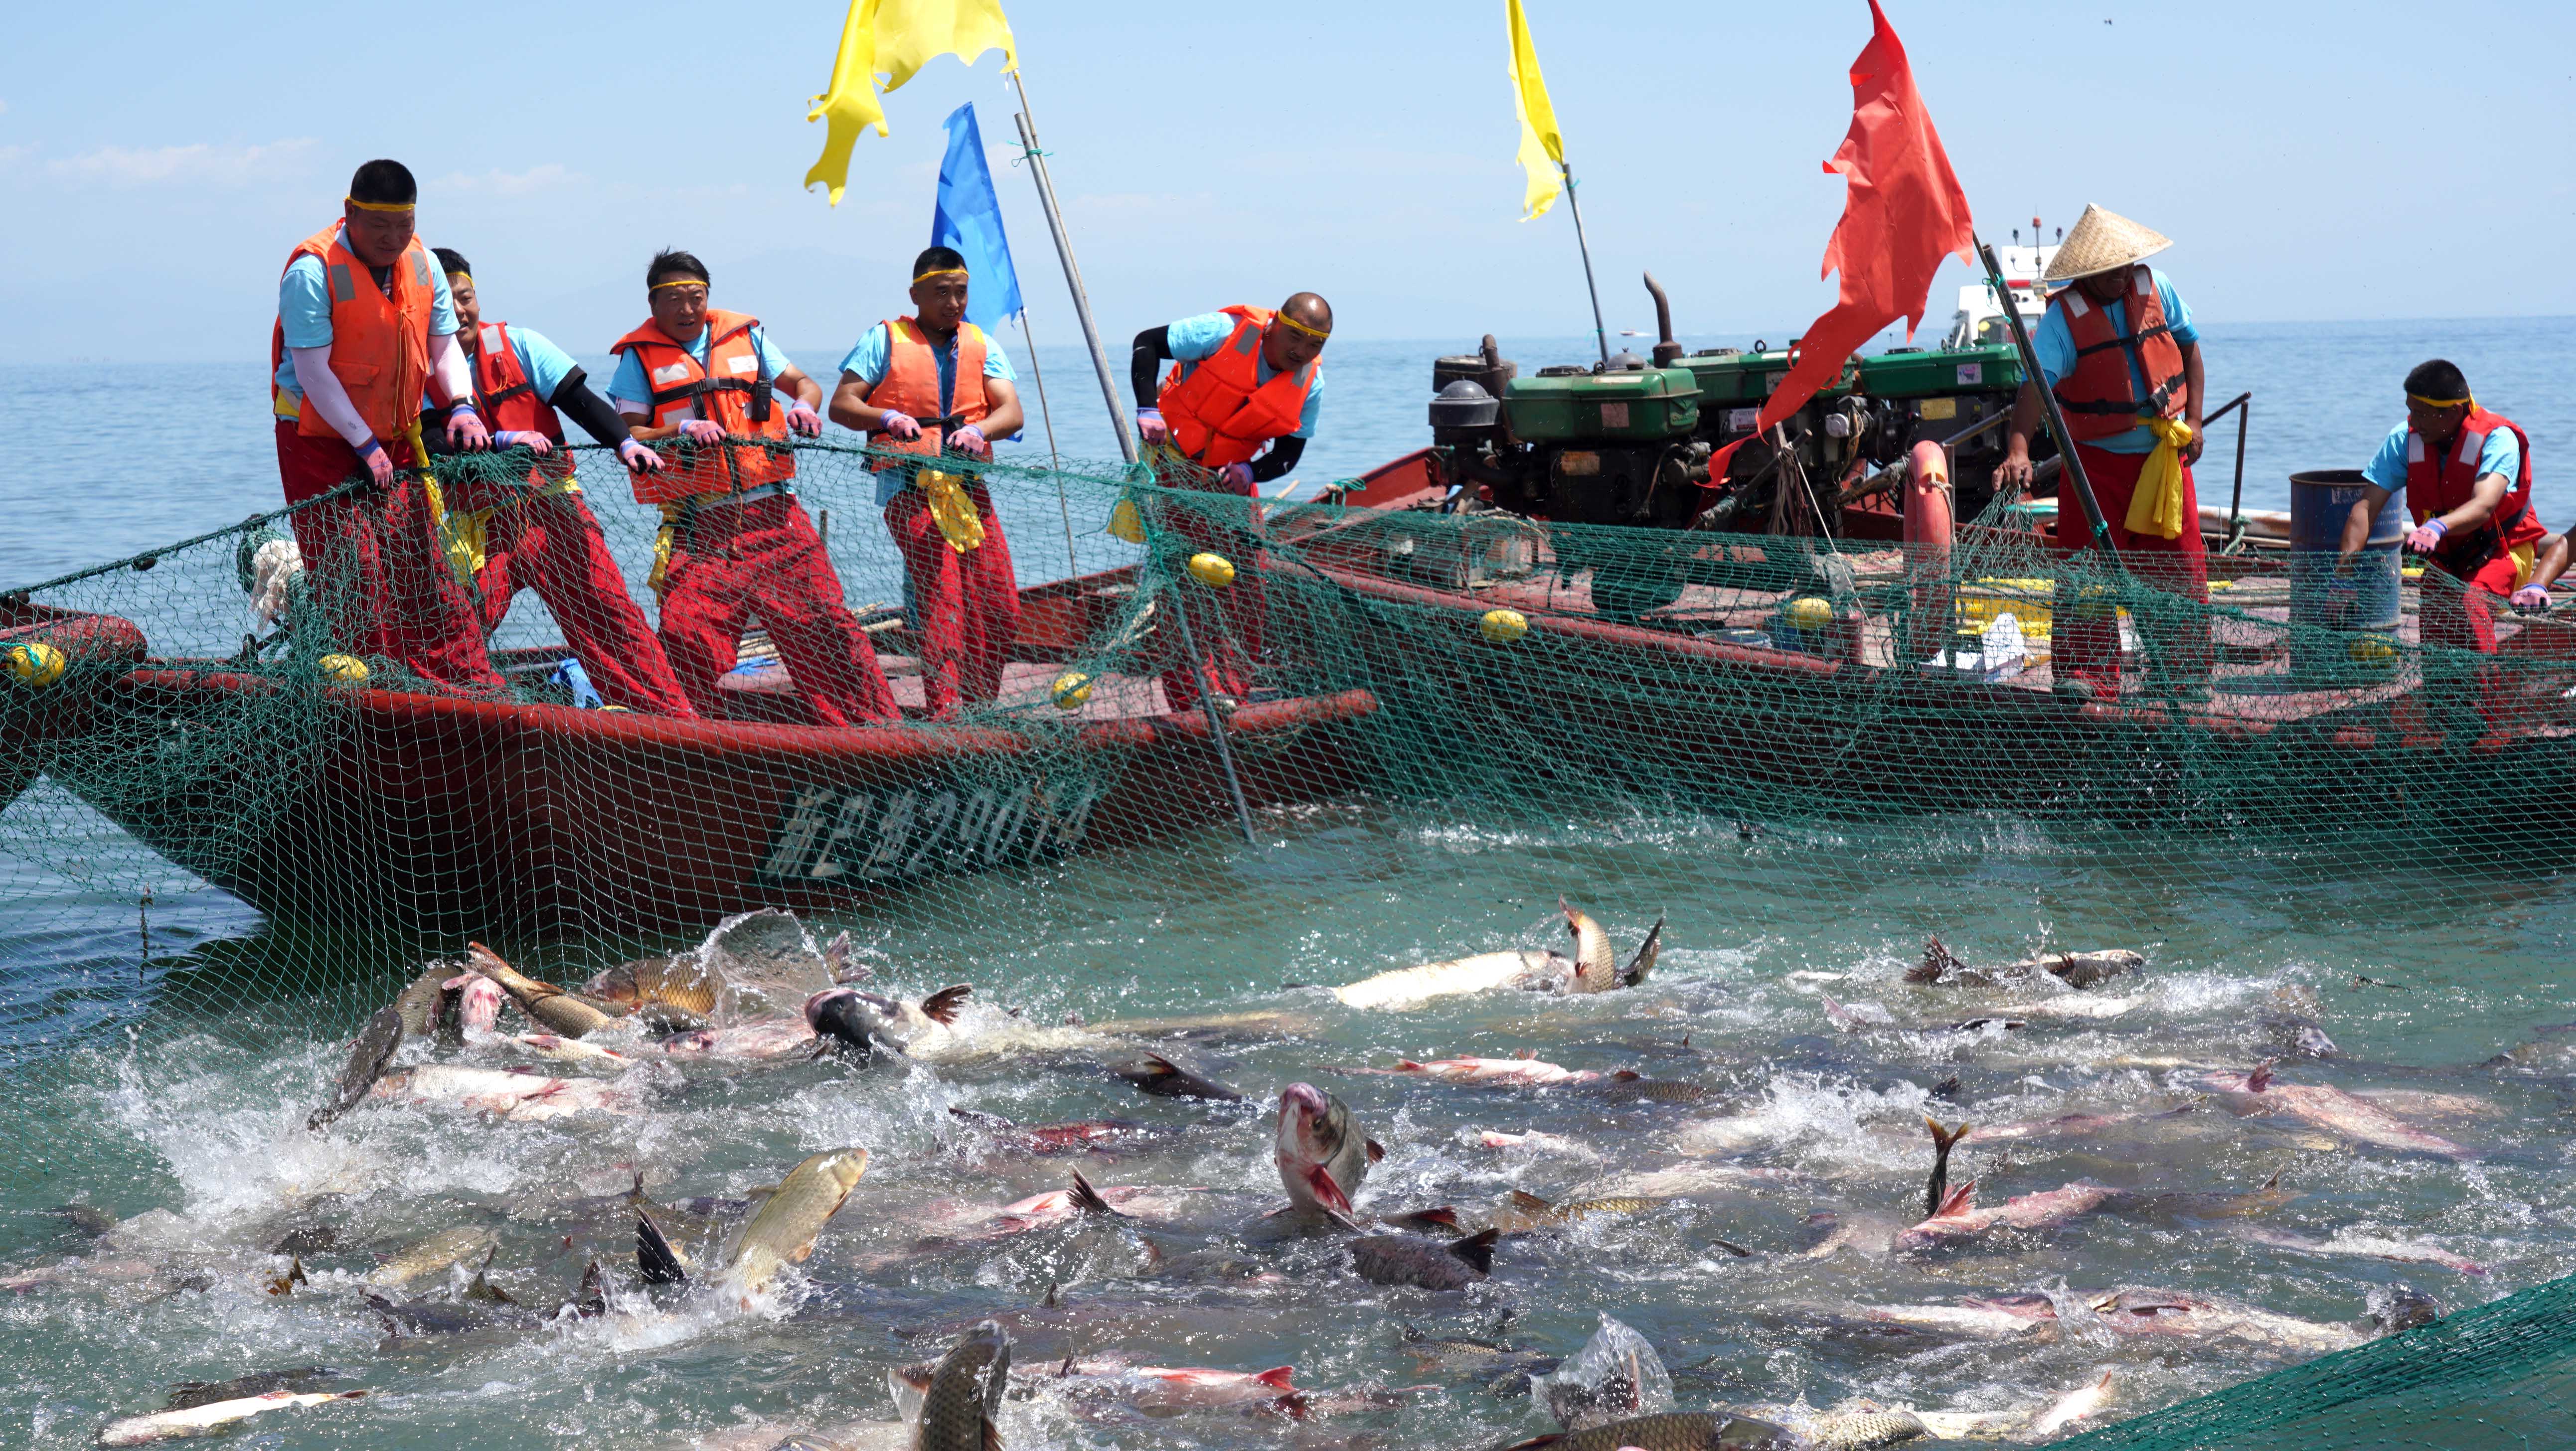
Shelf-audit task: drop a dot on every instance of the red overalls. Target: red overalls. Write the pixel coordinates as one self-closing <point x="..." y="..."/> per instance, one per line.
<point x="739" y="540"/>
<point x="541" y="536"/>
<point x="1223" y="412"/>
<point x="2100" y="400"/>
<point x="374" y="555"/>
<point x="965" y="605"/>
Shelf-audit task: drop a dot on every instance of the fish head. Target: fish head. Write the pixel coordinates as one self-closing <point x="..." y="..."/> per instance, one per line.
<point x="1313" y="1130"/>
<point x="1594" y="963"/>
<point x="479" y="1002"/>
<point x="858" y="1019"/>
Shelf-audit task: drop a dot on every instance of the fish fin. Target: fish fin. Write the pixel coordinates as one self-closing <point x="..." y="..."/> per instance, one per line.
<point x="1526" y="1055"/>
<point x="1524" y="1200"/>
<point x="2260" y="1080"/>
<point x="836" y="957"/>
<point x="992" y="1435"/>
<point x="981" y="1119"/>
<point x="1643" y="961"/>
<point x="1936" y="961"/>
<point x="1376" y="1151"/>
<point x="655" y="1260"/>
<point x="1536" y="1443"/>
<point x="1050" y="1301"/>
<point x="1477" y="1250"/>
<point x="1277" y="1377"/>
<point x="941" y="1007"/>
<point x="1625" y="1075"/>
<point x="1088" y="1200"/>
<point x="1327" y="1190"/>
<point x="1943" y="1140"/>
<point x="1407" y="1065"/>
<point x="1438" y="1217"/>
<point x="1731" y="1247"/>
<point x="1957" y="1201"/>
<point x="2274" y="1182"/>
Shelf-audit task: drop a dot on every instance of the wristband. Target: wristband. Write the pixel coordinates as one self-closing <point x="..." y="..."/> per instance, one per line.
<point x="463" y="410"/>
<point x="1155" y="414"/>
<point x="2440" y="529"/>
<point x="373" y="448"/>
<point x="626" y="443"/>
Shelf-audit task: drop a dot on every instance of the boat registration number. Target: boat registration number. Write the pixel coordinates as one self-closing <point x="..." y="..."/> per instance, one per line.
<point x="828" y="835"/>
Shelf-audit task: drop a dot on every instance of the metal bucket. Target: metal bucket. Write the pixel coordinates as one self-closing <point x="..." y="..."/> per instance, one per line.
<point x="2320" y="501"/>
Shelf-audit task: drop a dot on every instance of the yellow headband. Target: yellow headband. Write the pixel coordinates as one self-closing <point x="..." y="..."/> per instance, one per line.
<point x="677" y="282"/>
<point x="941" y="272"/>
<point x="1301" y="327"/>
<point x="379" y="206"/>
<point x="2471" y="400"/>
<point x="468" y="276"/>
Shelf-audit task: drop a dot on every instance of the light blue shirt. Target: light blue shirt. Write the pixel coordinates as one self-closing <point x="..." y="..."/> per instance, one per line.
<point x="869" y="357"/>
<point x="304" y="309"/>
<point x="2387" y="468"/>
<point x="2055" y="344"/>
<point x="545" y="365"/>
<point x="1197" y="338"/>
<point x="628" y="386"/>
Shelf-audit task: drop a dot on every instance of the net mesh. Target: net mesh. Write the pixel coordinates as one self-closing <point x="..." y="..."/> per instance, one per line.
<point x="197" y="736"/>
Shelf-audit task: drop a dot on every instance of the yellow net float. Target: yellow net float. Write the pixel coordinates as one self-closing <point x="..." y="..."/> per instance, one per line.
<point x="347" y="669"/>
<point x="1125" y="523"/>
<point x="36" y="664"/>
<point x="1808" y="612"/>
<point x="1213" y="570"/>
<point x="2375" y="652"/>
<point x="1072" y="690"/>
<point x="1503" y="626"/>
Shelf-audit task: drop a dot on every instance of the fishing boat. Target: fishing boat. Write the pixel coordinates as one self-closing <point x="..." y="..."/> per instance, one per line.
<point x="316" y="800"/>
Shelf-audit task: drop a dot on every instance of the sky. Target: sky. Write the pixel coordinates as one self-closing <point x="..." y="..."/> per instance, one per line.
<point x="2311" y="160"/>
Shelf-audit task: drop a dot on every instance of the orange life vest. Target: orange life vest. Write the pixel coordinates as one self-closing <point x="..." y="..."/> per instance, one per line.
<point x="2437" y="485"/>
<point x="732" y="389"/>
<point x="911" y="386"/>
<point x="1221" y="412"/>
<point x="379" y="344"/>
<point x="2099" y="394"/>
<point x="508" y="400"/>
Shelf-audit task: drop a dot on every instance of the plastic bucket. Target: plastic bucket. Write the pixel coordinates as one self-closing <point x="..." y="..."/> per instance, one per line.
<point x="2320" y="501"/>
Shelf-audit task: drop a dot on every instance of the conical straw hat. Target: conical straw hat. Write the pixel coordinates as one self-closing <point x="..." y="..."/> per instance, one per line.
<point x="2100" y="241"/>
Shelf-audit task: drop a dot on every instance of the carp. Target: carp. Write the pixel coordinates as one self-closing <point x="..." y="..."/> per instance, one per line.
<point x="1671" y="1431"/>
<point x="682" y="982"/>
<point x="369" y="1057"/>
<point x="433" y="1256"/>
<point x="1525" y="1211"/>
<point x="782" y="1232"/>
<point x="207" y="1419"/>
<point x="1958" y="1218"/>
<point x="2364" y="1246"/>
<point x="1537" y="1141"/>
<point x="2348" y="1114"/>
<point x="1097" y="1136"/>
<point x="558" y="1010"/>
<point x="1161" y="1077"/>
<point x="423" y="1002"/>
<point x="2143" y="1312"/>
<point x="189" y="1394"/>
<point x="1593" y="968"/>
<point x="2069" y="1408"/>
<point x="570" y="1050"/>
<point x="517" y="1094"/>
<point x="1517" y="1072"/>
<point x="874" y="1023"/>
<point x="1321" y="1158"/>
<point x="1163" y="1389"/>
<point x="964" y="1397"/>
<point x="1408" y="1259"/>
<point x="478" y="1005"/>
<point x="775" y="1039"/>
<point x="2075" y="969"/>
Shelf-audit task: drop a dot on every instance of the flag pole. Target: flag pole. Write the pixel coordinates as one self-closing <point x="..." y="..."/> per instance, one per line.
<point x="1600" y="334"/>
<point x="1072" y="271"/>
<point x="2035" y="379"/>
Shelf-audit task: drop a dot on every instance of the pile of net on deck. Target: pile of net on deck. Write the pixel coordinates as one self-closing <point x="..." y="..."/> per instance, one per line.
<point x="1886" y="707"/>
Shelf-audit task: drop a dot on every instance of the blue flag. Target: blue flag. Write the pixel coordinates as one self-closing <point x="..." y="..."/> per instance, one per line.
<point x="968" y="217"/>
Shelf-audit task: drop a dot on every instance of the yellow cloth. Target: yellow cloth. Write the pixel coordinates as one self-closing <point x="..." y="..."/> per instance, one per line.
<point x="952" y="509"/>
<point x="2156" y="507"/>
<point x="1542" y="148"/>
<point x="2524" y="562"/>
<point x="659" y="579"/>
<point x="460" y="537"/>
<point x="895" y="38"/>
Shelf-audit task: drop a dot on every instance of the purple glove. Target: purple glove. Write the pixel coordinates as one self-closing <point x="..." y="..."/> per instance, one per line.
<point x="702" y="430"/>
<point x="901" y="427"/>
<point x="804" y="420"/>
<point x="527" y="438"/>
<point x="970" y="442"/>
<point x="465" y="430"/>
<point x="1238" y="477"/>
<point x="1149" y="425"/>
<point x="2427" y="537"/>
<point x="380" y="466"/>
<point x="2531" y="598"/>
<point x="637" y="458"/>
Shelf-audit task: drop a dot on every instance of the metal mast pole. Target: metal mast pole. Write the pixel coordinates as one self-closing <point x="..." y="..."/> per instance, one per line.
<point x="1072" y="272"/>
<point x="1600" y="334"/>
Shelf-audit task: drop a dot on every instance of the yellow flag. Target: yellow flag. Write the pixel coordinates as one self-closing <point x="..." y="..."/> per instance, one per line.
<point x="895" y="38"/>
<point x="1541" y="147"/>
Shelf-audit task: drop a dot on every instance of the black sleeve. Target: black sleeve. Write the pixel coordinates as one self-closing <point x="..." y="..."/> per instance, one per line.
<point x="574" y="398"/>
<point x="1153" y="345"/>
<point x="1283" y="456"/>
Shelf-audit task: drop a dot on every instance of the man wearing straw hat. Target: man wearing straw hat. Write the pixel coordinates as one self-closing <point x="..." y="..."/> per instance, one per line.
<point x="2119" y="350"/>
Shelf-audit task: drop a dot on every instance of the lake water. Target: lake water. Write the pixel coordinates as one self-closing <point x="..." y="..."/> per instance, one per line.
<point x="187" y="1130"/>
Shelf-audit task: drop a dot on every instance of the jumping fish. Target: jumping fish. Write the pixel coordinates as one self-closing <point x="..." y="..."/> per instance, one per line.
<point x="368" y="1058"/>
<point x="1593" y="968"/>
<point x="420" y="1004"/>
<point x="2348" y="1114"/>
<point x="2070" y="1408"/>
<point x="1943" y="1141"/>
<point x="550" y="1005"/>
<point x="782" y="1232"/>
<point x="2075" y="969"/>
<point x="519" y="1095"/>
<point x="964" y="1398"/>
<point x="874" y="1023"/>
<point x="478" y="1004"/>
<point x="1321" y="1158"/>
<point x="1672" y="1431"/>
<point x="1408" y="1259"/>
<point x="207" y="1419"/>
<point x="682" y="981"/>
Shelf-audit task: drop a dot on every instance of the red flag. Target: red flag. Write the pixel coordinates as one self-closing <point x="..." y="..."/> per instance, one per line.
<point x="1903" y="214"/>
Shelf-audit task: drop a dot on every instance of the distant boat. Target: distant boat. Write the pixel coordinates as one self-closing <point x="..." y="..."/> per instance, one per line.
<point x="1979" y="320"/>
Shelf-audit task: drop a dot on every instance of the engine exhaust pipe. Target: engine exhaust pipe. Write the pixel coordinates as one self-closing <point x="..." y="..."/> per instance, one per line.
<point x="1667" y="352"/>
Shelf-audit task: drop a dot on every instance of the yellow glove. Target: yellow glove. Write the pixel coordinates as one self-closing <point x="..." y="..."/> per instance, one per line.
<point x="952" y="509"/>
<point x="2156" y="507"/>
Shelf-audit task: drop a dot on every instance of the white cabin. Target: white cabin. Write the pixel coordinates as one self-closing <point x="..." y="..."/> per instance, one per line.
<point x="1979" y="320"/>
